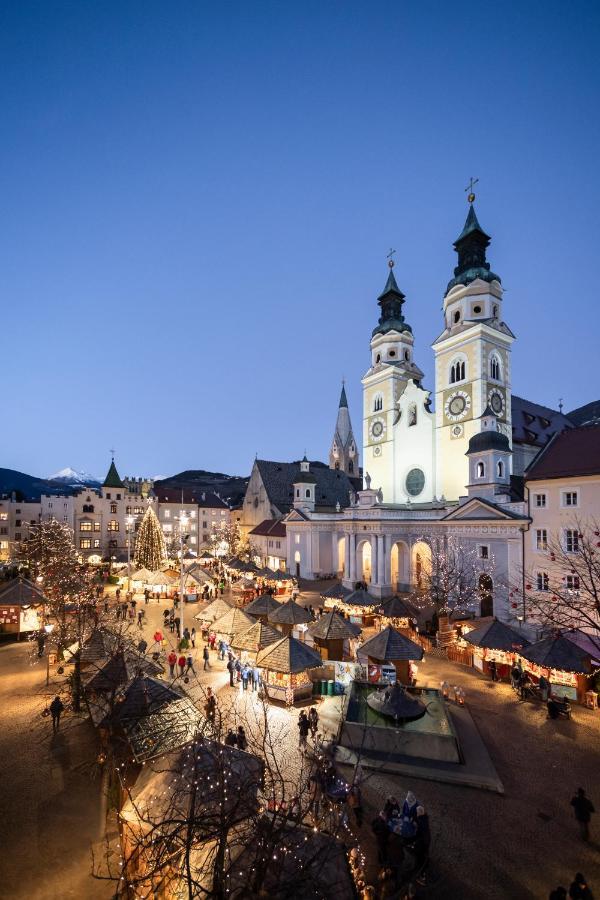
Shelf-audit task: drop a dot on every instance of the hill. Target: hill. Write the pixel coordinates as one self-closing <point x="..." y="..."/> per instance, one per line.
<point x="230" y="488"/>
<point x="28" y="487"/>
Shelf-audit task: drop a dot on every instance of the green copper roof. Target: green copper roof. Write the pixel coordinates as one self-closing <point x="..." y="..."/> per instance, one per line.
<point x="343" y="398"/>
<point x="471" y="245"/>
<point x="112" y="479"/>
<point x="390" y="301"/>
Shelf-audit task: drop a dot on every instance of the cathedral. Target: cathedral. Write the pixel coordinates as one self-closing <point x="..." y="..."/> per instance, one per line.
<point x="437" y="465"/>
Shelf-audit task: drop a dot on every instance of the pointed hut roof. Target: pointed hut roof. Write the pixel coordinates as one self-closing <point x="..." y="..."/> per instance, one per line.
<point x="142" y="574"/>
<point x="143" y="696"/>
<point x="102" y="643"/>
<point x="336" y="592"/>
<point x="161" y="578"/>
<point x="360" y="598"/>
<point x="559" y="653"/>
<point x="397" y="608"/>
<point x="288" y="655"/>
<point x="262" y="606"/>
<point x="214" y="610"/>
<point x="255" y="638"/>
<point x="290" y="613"/>
<point x="390" y="645"/>
<point x="21" y="592"/>
<point x="118" y="669"/>
<point x="162" y="731"/>
<point x="233" y="622"/>
<point x="332" y="626"/>
<point x="496" y="635"/>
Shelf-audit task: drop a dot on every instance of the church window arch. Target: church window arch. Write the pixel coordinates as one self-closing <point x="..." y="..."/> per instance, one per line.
<point x="308" y="493"/>
<point x="500" y="469"/>
<point x="495" y="312"/>
<point x="406" y="355"/>
<point x="378" y="358"/>
<point x="458" y="371"/>
<point x="481" y="470"/>
<point x="351" y="466"/>
<point x="378" y="402"/>
<point x="495" y="368"/>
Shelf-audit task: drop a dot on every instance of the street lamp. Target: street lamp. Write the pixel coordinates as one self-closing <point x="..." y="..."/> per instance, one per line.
<point x="48" y="628"/>
<point x="128" y="524"/>
<point x="183" y="521"/>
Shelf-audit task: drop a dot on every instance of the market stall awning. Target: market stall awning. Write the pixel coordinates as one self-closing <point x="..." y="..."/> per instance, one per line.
<point x="233" y="622"/>
<point x="255" y="638"/>
<point x="262" y="606"/>
<point x="389" y="645"/>
<point x="161" y="579"/>
<point x="214" y="610"/>
<point x="239" y="566"/>
<point x="290" y="613"/>
<point x="288" y="655"/>
<point x="360" y="598"/>
<point x="397" y="608"/>
<point x="559" y="653"/>
<point x="142" y="574"/>
<point x="21" y="592"/>
<point x="333" y="627"/>
<point x="336" y="592"/>
<point x="496" y="635"/>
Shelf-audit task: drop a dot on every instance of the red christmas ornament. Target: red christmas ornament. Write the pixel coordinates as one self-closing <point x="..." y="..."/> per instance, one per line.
<point x="514" y="605"/>
<point x="528" y="587"/>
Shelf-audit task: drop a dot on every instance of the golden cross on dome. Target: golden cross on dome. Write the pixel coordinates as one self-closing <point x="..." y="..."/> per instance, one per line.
<point x="390" y="258"/>
<point x="469" y="188"/>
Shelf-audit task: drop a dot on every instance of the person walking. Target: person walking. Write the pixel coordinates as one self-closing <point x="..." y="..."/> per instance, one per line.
<point x="493" y="670"/>
<point x="210" y="707"/>
<point x="241" y="738"/>
<point x="231" y="738"/>
<point x="544" y="686"/>
<point x="303" y="728"/>
<point x="56" y="707"/>
<point x="193" y="637"/>
<point x="142" y="646"/>
<point x="313" y="721"/>
<point x="186" y="633"/>
<point x="245" y="673"/>
<point x="583" y="808"/>
<point x="422" y="838"/>
<point x="140" y="616"/>
<point x="206" y="658"/>
<point x="231" y="670"/>
<point x="172" y="660"/>
<point x="190" y="664"/>
<point x="579" y="889"/>
<point x="255" y="678"/>
<point x="181" y="664"/>
<point x="355" y="804"/>
<point x="158" y="638"/>
<point x="379" y="827"/>
<point x="146" y="596"/>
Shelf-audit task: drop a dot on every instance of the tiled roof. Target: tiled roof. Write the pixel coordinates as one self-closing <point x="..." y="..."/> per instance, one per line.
<point x="336" y="592"/>
<point x="161" y="732"/>
<point x="585" y="415"/>
<point x="290" y="613"/>
<point x="558" y="653"/>
<point x="255" y="638"/>
<point x="534" y="424"/>
<point x="331" y="627"/>
<point x="573" y="453"/>
<point x="21" y="592"/>
<point x="397" y="608"/>
<point x="214" y="610"/>
<point x="204" y="499"/>
<point x="389" y="644"/>
<point x="496" y="635"/>
<point x="232" y="623"/>
<point x="333" y="485"/>
<point x="262" y="606"/>
<point x="288" y="655"/>
<point x="143" y="696"/>
<point x="270" y="528"/>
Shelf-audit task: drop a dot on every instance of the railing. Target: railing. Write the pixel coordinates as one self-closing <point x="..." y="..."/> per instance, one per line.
<point x="460" y="655"/>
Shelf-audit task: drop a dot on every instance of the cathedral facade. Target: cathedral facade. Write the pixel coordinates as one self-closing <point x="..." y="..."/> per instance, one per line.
<point x="438" y="465"/>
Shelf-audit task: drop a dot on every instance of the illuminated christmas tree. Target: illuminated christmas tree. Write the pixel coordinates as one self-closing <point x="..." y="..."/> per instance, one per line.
<point x="150" y="550"/>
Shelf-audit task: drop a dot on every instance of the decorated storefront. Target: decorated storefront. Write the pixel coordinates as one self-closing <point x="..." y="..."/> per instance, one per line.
<point x="497" y="643"/>
<point x="285" y="667"/>
<point x="569" y="661"/>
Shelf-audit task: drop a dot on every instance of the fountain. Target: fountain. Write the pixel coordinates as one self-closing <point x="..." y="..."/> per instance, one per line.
<point x="396" y="704"/>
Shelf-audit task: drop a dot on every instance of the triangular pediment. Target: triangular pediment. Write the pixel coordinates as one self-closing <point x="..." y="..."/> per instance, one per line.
<point x="295" y="515"/>
<point x="477" y="508"/>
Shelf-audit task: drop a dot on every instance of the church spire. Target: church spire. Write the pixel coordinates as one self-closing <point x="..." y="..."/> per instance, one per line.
<point x="390" y="302"/>
<point x="471" y="245"/>
<point x="343" y="454"/>
<point x="113" y="479"/>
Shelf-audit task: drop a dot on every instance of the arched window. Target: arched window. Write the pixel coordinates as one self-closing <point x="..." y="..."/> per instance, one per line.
<point x="308" y="493"/>
<point x="378" y="358"/>
<point x="406" y="355"/>
<point x="480" y="470"/>
<point x="457" y="317"/>
<point x="495" y="368"/>
<point x="500" y="468"/>
<point x="495" y="312"/>
<point x="297" y="492"/>
<point x="412" y="414"/>
<point x="458" y="371"/>
<point x="337" y="464"/>
<point x="378" y="403"/>
<point x="351" y="467"/>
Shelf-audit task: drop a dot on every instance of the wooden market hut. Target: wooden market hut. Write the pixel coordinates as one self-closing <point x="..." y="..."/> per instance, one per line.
<point x="105" y="679"/>
<point x="20" y="600"/>
<point x="214" y="610"/>
<point x="289" y="616"/>
<point x="250" y="642"/>
<point x="495" y="641"/>
<point x="393" y="647"/>
<point x="285" y="666"/>
<point x="336" y="592"/>
<point x="330" y="632"/>
<point x="262" y="607"/>
<point x="568" y="661"/>
<point x="231" y="624"/>
<point x="359" y="605"/>
<point x="397" y="611"/>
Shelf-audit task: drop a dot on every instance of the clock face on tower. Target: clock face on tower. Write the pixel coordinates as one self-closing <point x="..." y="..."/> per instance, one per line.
<point x="377" y="429"/>
<point x="457" y="405"/>
<point x="496" y="401"/>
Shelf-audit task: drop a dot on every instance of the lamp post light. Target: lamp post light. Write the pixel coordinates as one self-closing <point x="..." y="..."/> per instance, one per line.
<point x="183" y="521"/>
<point x="128" y="524"/>
<point x="48" y="628"/>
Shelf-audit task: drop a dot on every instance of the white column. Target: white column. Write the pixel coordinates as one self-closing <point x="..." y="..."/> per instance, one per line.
<point x="347" y="556"/>
<point x="380" y="559"/>
<point x="352" y="556"/>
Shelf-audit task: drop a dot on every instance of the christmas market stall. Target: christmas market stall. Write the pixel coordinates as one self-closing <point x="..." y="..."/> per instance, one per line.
<point x="214" y="610"/>
<point x="247" y="644"/>
<point x="285" y="666"/>
<point x="336" y="592"/>
<point x="334" y="635"/>
<point x="231" y="624"/>
<point x="204" y="788"/>
<point x="391" y="647"/>
<point x="359" y="605"/>
<point x="290" y="618"/>
<point x="262" y="607"/>
<point x="398" y="612"/>
<point x="139" y="577"/>
<point x="20" y="602"/>
<point x="495" y="642"/>
<point x="160" y="583"/>
<point x="568" y="661"/>
<point x="104" y="680"/>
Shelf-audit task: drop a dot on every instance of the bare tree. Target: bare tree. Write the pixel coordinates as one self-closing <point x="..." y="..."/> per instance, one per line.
<point x="455" y="578"/>
<point x="563" y="590"/>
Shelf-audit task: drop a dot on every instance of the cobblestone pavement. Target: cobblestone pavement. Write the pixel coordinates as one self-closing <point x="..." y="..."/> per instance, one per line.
<point x="483" y="845"/>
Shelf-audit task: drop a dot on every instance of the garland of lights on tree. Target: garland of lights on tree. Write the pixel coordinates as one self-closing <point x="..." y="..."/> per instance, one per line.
<point x="150" y="549"/>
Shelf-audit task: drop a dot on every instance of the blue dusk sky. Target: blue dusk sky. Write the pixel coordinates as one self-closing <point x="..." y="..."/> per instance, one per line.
<point x="198" y="199"/>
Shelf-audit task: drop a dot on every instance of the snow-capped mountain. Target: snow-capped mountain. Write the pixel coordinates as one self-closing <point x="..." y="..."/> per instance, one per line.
<point x="73" y="477"/>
